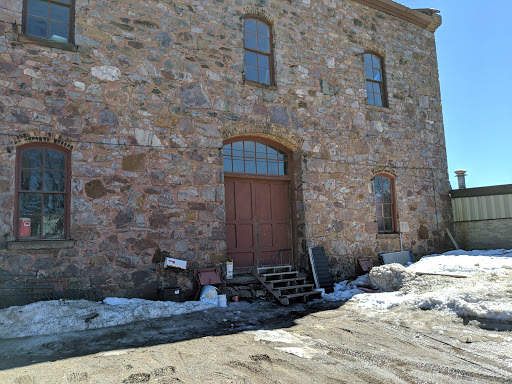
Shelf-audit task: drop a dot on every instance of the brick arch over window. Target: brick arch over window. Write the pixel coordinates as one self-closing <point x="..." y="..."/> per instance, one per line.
<point x="43" y="137"/>
<point x="274" y="132"/>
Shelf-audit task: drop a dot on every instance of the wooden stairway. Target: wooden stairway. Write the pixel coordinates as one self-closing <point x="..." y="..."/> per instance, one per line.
<point x="284" y="283"/>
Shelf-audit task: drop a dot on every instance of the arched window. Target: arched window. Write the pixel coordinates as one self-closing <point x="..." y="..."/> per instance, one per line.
<point x="375" y="90"/>
<point x="258" y="51"/>
<point x="254" y="157"/>
<point x="384" y="187"/>
<point x="42" y="191"/>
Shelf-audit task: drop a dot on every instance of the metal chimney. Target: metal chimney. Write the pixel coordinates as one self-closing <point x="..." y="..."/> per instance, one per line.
<point x="461" y="176"/>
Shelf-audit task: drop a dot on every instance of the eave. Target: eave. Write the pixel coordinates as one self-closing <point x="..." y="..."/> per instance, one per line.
<point x="429" y="22"/>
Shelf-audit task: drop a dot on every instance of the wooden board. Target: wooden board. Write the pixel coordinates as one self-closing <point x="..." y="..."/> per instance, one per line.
<point x="321" y="271"/>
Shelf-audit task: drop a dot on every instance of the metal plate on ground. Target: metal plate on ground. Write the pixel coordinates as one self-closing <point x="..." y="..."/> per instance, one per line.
<point x="403" y="257"/>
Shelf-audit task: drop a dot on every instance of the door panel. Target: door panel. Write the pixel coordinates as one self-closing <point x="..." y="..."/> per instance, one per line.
<point x="258" y="225"/>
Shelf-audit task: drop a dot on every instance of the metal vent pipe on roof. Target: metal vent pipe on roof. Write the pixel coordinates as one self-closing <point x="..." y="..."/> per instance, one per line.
<point x="461" y="176"/>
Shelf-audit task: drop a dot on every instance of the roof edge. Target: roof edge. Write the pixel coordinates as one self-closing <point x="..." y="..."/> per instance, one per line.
<point x="505" y="189"/>
<point x="417" y="17"/>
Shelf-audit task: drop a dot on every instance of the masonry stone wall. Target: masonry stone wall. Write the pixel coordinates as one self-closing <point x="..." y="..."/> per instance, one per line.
<point x="153" y="88"/>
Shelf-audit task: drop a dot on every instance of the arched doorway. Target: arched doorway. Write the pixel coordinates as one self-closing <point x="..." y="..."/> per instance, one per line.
<point x="258" y="184"/>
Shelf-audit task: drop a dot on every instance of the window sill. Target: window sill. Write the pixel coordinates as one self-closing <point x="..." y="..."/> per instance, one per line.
<point x="387" y="236"/>
<point x="376" y="108"/>
<point x="39" y="244"/>
<point x="46" y="43"/>
<point x="260" y="85"/>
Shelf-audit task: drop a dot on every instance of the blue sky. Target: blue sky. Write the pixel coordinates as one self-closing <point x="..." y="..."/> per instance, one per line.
<point x="474" y="50"/>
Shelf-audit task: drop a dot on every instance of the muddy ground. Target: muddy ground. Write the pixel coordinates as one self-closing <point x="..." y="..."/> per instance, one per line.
<point x="262" y="342"/>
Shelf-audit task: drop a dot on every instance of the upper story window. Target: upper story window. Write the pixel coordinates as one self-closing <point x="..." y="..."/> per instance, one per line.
<point x="258" y="51"/>
<point x="49" y="19"/>
<point x="374" y="72"/>
<point x="43" y="177"/>
<point x="254" y="157"/>
<point x="384" y="188"/>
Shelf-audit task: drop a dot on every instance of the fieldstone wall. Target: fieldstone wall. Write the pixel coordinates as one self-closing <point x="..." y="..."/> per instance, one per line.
<point x="153" y="88"/>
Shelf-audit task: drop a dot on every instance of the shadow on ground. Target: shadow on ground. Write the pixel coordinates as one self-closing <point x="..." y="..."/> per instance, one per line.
<point x="237" y="317"/>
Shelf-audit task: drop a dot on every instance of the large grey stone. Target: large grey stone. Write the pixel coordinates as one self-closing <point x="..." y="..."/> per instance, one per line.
<point x="193" y="96"/>
<point x="107" y="117"/>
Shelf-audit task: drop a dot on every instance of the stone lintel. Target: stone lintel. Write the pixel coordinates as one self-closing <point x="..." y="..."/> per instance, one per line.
<point x="416" y="17"/>
<point x="40" y="244"/>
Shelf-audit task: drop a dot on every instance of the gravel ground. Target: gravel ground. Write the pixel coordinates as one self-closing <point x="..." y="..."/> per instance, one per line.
<point x="262" y="342"/>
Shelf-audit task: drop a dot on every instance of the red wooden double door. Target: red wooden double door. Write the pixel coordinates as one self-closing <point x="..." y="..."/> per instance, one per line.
<point x="258" y="225"/>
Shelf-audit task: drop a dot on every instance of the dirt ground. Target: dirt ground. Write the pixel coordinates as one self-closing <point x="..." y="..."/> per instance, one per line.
<point x="262" y="342"/>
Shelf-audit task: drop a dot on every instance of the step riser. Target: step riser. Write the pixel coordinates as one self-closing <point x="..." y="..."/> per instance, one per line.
<point x="284" y="283"/>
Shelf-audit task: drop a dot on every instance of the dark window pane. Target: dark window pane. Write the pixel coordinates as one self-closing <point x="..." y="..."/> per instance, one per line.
<point x="251" y="73"/>
<point x="53" y="203"/>
<point x="377" y="75"/>
<point x="263" y="29"/>
<point x="368" y="59"/>
<point x="263" y="44"/>
<point x="264" y="76"/>
<point x="38" y="8"/>
<point x="282" y="156"/>
<point x="58" y="32"/>
<point x="35" y="224"/>
<point x="250" y="26"/>
<point x="375" y="61"/>
<point x="379" y="210"/>
<point x="59" y="13"/>
<point x="376" y="88"/>
<point x="387" y="210"/>
<point x="261" y="167"/>
<point x="251" y="58"/>
<point x="369" y="72"/>
<point x="263" y="61"/>
<point x="249" y="148"/>
<point x="378" y="183"/>
<point x="238" y="165"/>
<point x="54" y="160"/>
<point x="387" y="197"/>
<point x="380" y="224"/>
<point x="30" y="203"/>
<point x="379" y="199"/>
<point x="386" y="184"/>
<point x="228" y="167"/>
<point x="388" y="224"/>
<point x="32" y="158"/>
<point x="53" y="226"/>
<point x="250" y="41"/>
<point x="250" y="166"/>
<point x="31" y="180"/>
<point x="36" y="27"/>
<point x="54" y="181"/>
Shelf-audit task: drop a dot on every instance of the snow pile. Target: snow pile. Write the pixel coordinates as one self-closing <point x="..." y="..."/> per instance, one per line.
<point x="47" y="317"/>
<point x="390" y="277"/>
<point x="346" y="289"/>
<point x="482" y="290"/>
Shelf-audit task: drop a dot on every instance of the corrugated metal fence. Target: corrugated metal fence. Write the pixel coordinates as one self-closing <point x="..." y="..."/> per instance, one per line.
<point x="482" y="208"/>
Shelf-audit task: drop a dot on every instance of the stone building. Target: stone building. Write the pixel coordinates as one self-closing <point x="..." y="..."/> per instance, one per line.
<point x="237" y="129"/>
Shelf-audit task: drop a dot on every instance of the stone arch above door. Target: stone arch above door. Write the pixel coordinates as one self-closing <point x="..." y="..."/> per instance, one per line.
<point x="278" y="133"/>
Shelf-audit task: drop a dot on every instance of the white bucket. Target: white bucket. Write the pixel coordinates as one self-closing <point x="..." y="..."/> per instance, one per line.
<point x="223" y="301"/>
